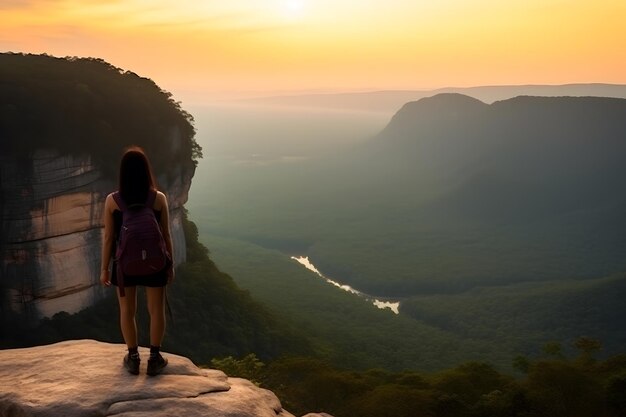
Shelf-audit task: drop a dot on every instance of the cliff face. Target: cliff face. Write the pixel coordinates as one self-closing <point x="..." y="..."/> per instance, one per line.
<point x="50" y="229"/>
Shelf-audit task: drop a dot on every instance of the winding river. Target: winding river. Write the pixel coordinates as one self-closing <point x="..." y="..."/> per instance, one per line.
<point x="392" y="305"/>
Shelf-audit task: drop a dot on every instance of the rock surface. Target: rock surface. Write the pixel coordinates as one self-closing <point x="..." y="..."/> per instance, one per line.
<point x="86" y="378"/>
<point x="317" y="415"/>
<point x="51" y="222"/>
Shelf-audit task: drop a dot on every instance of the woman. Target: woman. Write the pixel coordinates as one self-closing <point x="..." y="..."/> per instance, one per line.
<point x="136" y="183"/>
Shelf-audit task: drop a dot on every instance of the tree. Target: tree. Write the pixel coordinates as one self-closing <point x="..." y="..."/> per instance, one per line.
<point x="521" y="363"/>
<point x="553" y="349"/>
<point x="587" y="347"/>
<point x="616" y="395"/>
<point x="563" y="389"/>
<point x="249" y="367"/>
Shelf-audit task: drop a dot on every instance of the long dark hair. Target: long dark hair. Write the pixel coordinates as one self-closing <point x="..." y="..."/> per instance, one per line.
<point x="136" y="177"/>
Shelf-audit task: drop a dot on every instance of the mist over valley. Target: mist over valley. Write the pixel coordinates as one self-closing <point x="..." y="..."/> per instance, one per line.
<point x="453" y="205"/>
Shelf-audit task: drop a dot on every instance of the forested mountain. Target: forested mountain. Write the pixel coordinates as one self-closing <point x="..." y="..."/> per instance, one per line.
<point x="528" y="139"/>
<point x="47" y="101"/>
<point x="523" y="189"/>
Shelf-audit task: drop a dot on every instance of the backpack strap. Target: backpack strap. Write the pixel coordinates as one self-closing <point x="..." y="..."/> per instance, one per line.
<point x="151" y="198"/>
<point x="122" y="205"/>
<point x="120" y="201"/>
<point x="119" y="274"/>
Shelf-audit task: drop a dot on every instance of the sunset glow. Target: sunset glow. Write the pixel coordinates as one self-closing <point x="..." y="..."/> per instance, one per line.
<point x="196" y="48"/>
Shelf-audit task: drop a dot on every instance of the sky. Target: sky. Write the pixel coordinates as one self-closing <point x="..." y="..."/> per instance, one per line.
<point x="204" y="49"/>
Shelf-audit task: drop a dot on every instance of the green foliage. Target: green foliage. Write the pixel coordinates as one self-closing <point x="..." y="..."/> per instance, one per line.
<point x="491" y="324"/>
<point x="518" y="318"/>
<point x="304" y="384"/>
<point x="470" y="381"/>
<point x="616" y="395"/>
<point x="563" y="387"/>
<point x="553" y="349"/>
<point x="98" y="322"/>
<point x="87" y="106"/>
<point x="521" y="364"/>
<point x="345" y="329"/>
<point x="196" y="252"/>
<point x="587" y="347"/>
<point x="559" y="388"/>
<point x="392" y="400"/>
<point x="249" y="367"/>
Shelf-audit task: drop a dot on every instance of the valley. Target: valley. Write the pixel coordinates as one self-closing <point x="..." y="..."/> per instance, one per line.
<point x="456" y="207"/>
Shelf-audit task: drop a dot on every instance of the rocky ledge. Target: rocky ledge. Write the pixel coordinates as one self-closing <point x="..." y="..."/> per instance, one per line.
<point x="83" y="378"/>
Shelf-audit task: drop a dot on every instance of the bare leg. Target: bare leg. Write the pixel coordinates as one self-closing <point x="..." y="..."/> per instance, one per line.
<point x="156" y="307"/>
<point x="128" y="308"/>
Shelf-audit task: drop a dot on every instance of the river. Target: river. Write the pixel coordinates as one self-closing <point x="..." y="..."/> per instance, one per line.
<point x="392" y="305"/>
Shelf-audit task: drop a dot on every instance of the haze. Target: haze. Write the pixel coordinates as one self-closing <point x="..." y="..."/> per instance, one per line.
<point x="201" y="50"/>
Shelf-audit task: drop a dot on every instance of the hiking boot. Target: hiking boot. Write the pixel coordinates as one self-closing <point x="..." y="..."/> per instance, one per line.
<point x="156" y="364"/>
<point x="131" y="363"/>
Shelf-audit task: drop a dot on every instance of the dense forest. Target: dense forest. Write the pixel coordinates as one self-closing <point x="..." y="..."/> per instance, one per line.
<point x="49" y="102"/>
<point x="550" y="384"/>
<point x="432" y="331"/>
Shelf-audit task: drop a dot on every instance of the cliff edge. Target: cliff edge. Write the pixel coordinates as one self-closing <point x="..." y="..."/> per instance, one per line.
<point x="86" y="378"/>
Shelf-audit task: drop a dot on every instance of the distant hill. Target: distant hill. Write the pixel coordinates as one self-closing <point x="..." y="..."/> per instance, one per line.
<point x="571" y="150"/>
<point x="451" y="181"/>
<point x="391" y="101"/>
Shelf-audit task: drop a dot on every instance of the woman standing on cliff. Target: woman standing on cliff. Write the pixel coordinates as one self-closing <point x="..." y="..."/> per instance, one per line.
<point x="137" y="187"/>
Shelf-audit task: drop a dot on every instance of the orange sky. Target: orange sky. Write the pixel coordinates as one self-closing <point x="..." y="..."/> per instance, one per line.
<point x="202" y="49"/>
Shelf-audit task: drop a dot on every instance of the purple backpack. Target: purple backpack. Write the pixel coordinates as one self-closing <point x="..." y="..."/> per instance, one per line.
<point x="141" y="247"/>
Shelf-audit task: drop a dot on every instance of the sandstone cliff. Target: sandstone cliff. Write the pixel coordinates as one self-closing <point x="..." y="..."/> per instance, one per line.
<point x="86" y="378"/>
<point x="51" y="214"/>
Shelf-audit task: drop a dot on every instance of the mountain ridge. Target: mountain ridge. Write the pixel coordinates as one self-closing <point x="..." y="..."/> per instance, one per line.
<point x="519" y="119"/>
<point x="389" y="101"/>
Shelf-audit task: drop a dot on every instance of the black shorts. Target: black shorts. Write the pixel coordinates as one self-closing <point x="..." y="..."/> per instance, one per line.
<point x="155" y="280"/>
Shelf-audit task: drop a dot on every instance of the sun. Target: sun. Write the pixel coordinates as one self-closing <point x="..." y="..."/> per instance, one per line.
<point x="293" y="8"/>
